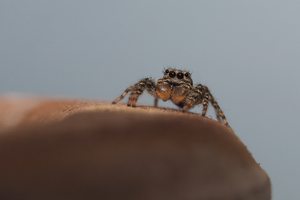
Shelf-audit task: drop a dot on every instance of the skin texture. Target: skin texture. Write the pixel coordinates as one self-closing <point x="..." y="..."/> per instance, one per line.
<point x="69" y="149"/>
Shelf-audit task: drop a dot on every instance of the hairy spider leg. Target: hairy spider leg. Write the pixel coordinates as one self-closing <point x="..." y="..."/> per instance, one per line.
<point x="219" y="112"/>
<point x="205" y="102"/>
<point x="198" y="95"/>
<point x="136" y="90"/>
<point x="155" y="102"/>
<point x="202" y="95"/>
<point x="119" y="98"/>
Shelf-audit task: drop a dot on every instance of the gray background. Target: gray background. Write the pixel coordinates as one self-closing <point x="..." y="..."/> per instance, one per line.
<point x="247" y="52"/>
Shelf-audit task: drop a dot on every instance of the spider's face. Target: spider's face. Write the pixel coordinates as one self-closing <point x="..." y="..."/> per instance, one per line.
<point x="175" y="84"/>
<point x="177" y="77"/>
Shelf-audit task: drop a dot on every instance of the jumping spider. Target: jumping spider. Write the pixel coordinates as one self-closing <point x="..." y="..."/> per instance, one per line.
<point x="175" y="85"/>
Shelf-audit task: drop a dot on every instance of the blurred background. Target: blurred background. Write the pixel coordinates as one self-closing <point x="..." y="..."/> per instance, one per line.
<point x="247" y="52"/>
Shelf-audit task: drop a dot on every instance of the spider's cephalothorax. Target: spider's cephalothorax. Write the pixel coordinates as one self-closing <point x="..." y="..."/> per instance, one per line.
<point x="176" y="85"/>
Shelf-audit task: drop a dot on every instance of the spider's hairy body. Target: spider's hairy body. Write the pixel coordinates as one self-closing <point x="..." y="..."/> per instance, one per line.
<point x="177" y="86"/>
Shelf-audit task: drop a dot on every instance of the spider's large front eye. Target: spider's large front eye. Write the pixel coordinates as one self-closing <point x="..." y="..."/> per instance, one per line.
<point x="180" y="75"/>
<point x="172" y="74"/>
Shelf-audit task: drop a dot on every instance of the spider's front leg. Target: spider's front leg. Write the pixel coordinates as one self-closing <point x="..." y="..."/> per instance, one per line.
<point x="136" y="90"/>
<point x="208" y="97"/>
<point x="219" y="113"/>
<point x="194" y="97"/>
<point x="200" y="94"/>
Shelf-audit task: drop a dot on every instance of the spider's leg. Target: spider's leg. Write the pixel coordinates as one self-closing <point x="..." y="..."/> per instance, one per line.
<point x="202" y="95"/>
<point x="189" y="103"/>
<point x="155" y="102"/>
<point x="205" y="104"/>
<point x="144" y="84"/>
<point x="136" y="90"/>
<point x="194" y="97"/>
<point x="119" y="98"/>
<point x="219" y="112"/>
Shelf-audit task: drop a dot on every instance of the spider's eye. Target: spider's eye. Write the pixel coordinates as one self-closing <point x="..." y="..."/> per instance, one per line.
<point x="180" y="75"/>
<point x="187" y="74"/>
<point x="167" y="71"/>
<point x="172" y="74"/>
